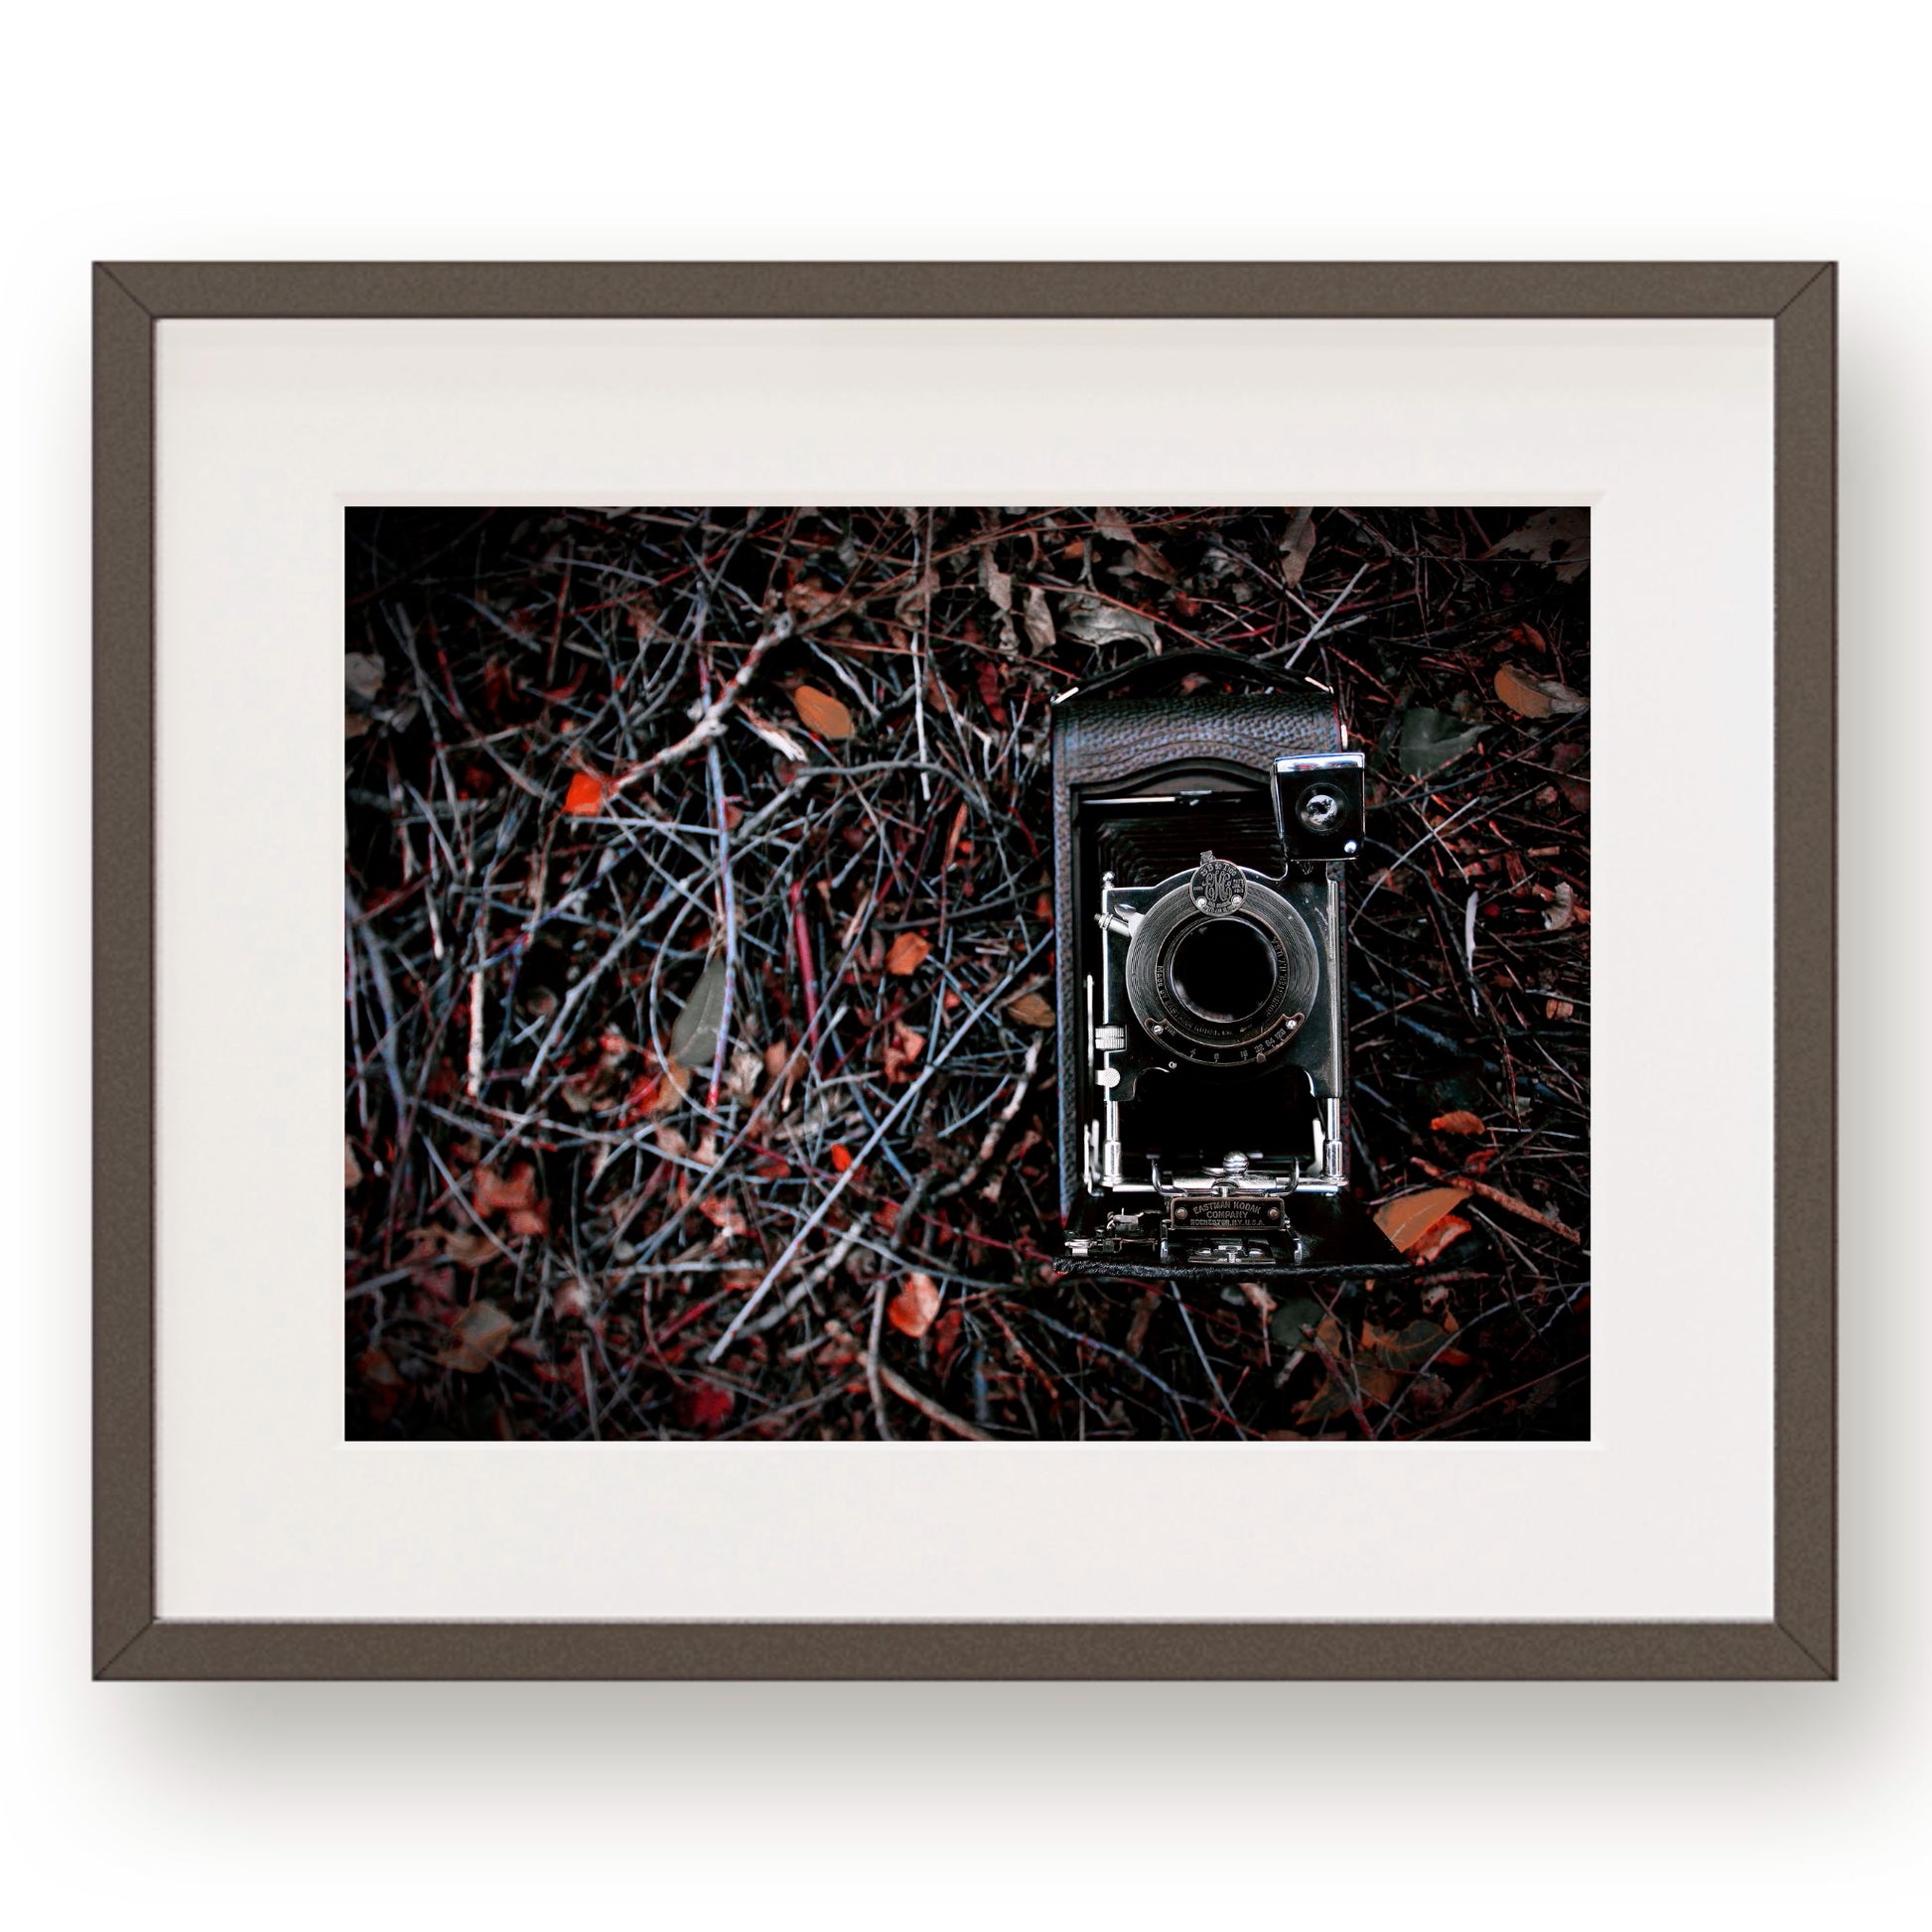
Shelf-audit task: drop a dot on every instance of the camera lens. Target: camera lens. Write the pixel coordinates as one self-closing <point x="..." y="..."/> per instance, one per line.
<point x="1223" y="970"/>
<point x="1227" y="989"/>
<point x="1320" y="808"/>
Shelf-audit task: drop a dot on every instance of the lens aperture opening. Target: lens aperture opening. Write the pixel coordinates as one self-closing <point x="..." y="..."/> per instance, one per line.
<point x="1223" y="971"/>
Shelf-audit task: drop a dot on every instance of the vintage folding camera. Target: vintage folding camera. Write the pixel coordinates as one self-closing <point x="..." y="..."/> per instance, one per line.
<point x="1201" y="844"/>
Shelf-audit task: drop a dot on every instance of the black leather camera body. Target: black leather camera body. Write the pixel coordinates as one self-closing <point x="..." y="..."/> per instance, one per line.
<point x="1201" y="846"/>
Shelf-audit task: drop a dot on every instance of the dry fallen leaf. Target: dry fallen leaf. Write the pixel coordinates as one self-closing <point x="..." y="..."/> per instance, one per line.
<point x="905" y="953"/>
<point x="704" y="1406"/>
<point x="1407" y="1218"/>
<point x="1451" y="1227"/>
<point x="482" y="1333"/>
<point x="742" y="1082"/>
<point x="586" y="793"/>
<point x="1459" y="1121"/>
<point x="811" y="602"/>
<point x="910" y="607"/>
<point x="1404" y="1350"/>
<point x="722" y="1212"/>
<point x="470" y="1247"/>
<point x="997" y="582"/>
<point x="1096" y="620"/>
<point x="1298" y="546"/>
<point x="491" y="1194"/>
<point x="363" y="674"/>
<point x="1537" y="697"/>
<point x="902" y="1047"/>
<point x="656" y="1091"/>
<point x="351" y="1168"/>
<point x="1040" y="620"/>
<point x="822" y="712"/>
<point x="1519" y="692"/>
<point x="915" y="1306"/>
<point x="1560" y="537"/>
<point x="1030" y="1010"/>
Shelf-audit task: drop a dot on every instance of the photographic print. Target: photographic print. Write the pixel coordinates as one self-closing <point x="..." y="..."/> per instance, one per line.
<point x="966" y="975"/>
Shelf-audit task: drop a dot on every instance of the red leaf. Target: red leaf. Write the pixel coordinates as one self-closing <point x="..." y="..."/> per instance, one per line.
<point x="723" y="1214"/>
<point x="915" y="1306"/>
<point x="704" y="1406"/>
<point x="1451" y="1227"/>
<point x="586" y="793"/>
<point x="492" y="1195"/>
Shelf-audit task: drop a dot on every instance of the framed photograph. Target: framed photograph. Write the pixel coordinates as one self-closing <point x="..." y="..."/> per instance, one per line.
<point x="1024" y="970"/>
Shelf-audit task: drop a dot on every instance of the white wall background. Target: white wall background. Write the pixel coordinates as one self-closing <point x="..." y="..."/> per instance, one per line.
<point x="1132" y="130"/>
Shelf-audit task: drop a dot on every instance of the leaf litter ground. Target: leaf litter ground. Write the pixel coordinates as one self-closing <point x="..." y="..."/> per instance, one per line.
<point x="699" y="955"/>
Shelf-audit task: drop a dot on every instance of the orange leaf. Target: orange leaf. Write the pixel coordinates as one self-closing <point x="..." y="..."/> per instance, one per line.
<point x="1450" y="1227"/>
<point x="906" y="953"/>
<point x="821" y="712"/>
<point x="1521" y="694"/>
<point x="841" y="1157"/>
<point x="1030" y="1010"/>
<point x="1536" y="697"/>
<point x="586" y="793"/>
<point x="1459" y="1122"/>
<point x="1407" y="1218"/>
<point x="915" y="1307"/>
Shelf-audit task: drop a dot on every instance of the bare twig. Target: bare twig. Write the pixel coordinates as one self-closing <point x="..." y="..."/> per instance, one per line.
<point x="712" y="721"/>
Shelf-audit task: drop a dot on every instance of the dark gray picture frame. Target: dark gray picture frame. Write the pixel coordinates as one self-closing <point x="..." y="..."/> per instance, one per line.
<point x="131" y="1641"/>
